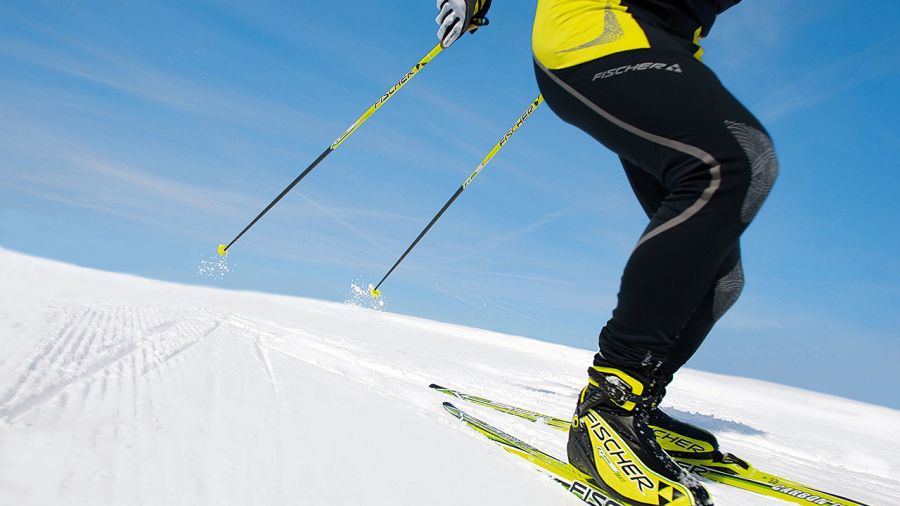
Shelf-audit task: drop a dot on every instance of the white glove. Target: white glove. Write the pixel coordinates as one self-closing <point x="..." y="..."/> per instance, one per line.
<point x="451" y="20"/>
<point x="456" y="17"/>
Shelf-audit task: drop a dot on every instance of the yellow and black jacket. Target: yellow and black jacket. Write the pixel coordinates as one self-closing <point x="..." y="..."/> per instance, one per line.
<point x="571" y="32"/>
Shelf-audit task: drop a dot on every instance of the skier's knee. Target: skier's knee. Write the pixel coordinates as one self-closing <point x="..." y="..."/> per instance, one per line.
<point x="728" y="290"/>
<point x="759" y="167"/>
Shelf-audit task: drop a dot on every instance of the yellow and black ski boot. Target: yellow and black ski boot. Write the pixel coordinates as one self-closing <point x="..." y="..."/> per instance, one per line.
<point x="691" y="445"/>
<point x="612" y="442"/>
<point x="682" y="440"/>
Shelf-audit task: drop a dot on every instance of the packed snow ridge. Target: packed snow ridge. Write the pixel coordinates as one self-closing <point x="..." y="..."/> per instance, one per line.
<point x="120" y="390"/>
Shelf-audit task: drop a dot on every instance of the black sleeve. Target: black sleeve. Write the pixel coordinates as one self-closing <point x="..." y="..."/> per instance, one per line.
<point x="723" y="5"/>
<point x="477" y="9"/>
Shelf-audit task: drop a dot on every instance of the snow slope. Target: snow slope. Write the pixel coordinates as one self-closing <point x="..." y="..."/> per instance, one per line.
<point x="120" y="390"/>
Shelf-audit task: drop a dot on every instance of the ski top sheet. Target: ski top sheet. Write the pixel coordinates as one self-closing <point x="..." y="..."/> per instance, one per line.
<point x="573" y="480"/>
<point x="730" y="470"/>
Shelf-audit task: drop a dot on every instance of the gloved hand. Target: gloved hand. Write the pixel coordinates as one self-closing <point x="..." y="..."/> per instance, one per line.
<point x="456" y="17"/>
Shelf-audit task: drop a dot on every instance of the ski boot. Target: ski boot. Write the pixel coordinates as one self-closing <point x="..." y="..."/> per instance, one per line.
<point x="692" y="446"/>
<point x="679" y="439"/>
<point x="612" y="442"/>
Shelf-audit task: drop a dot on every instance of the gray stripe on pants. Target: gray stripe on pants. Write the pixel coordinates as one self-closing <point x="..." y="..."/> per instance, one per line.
<point x="715" y="168"/>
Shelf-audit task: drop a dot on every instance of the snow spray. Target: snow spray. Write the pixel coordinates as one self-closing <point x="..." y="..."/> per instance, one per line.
<point x="359" y="296"/>
<point x="214" y="267"/>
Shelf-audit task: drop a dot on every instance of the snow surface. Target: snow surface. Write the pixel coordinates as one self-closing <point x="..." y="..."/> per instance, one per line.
<point x="120" y="390"/>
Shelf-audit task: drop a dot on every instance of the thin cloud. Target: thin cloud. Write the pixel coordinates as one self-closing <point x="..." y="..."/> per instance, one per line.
<point x="333" y="215"/>
<point x="123" y="74"/>
<point x="481" y="303"/>
<point x="500" y="239"/>
<point x="71" y="169"/>
<point x="74" y="176"/>
<point x="508" y="275"/>
<point x="827" y="81"/>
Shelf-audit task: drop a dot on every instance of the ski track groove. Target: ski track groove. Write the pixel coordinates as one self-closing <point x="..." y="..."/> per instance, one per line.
<point x="263" y="355"/>
<point x="167" y="356"/>
<point x="91" y="340"/>
<point x="76" y="347"/>
<point x="262" y="351"/>
<point x="59" y="344"/>
<point x="42" y="355"/>
<point x="35" y="400"/>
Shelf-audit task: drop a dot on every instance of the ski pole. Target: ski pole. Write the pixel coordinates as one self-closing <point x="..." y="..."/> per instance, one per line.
<point x="375" y="292"/>
<point x="223" y="248"/>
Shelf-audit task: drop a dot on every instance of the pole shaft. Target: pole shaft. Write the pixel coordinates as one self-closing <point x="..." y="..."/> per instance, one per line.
<point x="387" y="96"/>
<point x="484" y="162"/>
<point x="502" y="142"/>
<point x="282" y="194"/>
<point x="422" y="234"/>
<point x="347" y="133"/>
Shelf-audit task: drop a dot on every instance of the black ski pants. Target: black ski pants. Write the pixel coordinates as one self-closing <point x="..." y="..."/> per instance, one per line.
<point x="701" y="166"/>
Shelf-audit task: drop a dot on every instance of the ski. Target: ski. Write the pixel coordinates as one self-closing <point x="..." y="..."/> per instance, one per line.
<point x="729" y="470"/>
<point x="573" y="480"/>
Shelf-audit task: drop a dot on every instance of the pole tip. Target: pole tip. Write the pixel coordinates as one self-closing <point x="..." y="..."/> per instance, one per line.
<point x="222" y="250"/>
<point x="374" y="292"/>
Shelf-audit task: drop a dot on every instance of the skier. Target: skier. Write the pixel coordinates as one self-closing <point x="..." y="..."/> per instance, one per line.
<point x="629" y="73"/>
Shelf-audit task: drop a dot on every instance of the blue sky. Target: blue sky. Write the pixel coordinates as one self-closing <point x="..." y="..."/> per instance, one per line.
<point x="135" y="136"/>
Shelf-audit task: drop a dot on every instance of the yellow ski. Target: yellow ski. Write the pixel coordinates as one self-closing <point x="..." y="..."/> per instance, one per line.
<point x="728" y="469"/>
<point x="567" y="476"/>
